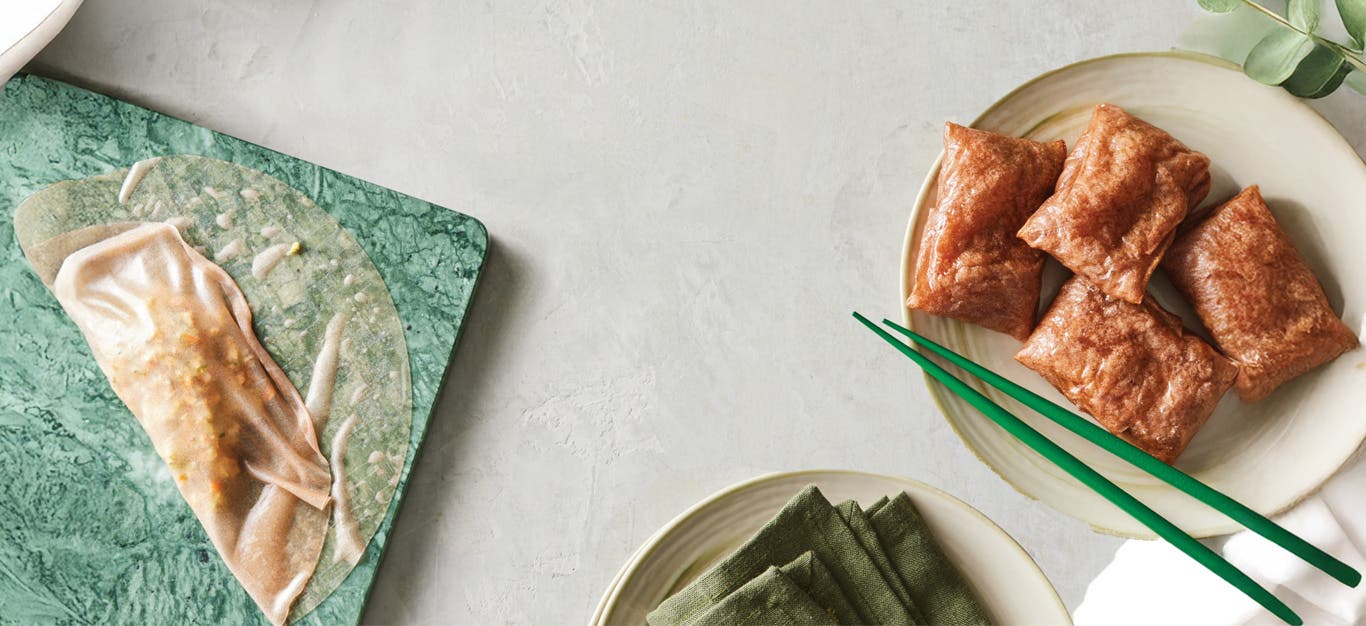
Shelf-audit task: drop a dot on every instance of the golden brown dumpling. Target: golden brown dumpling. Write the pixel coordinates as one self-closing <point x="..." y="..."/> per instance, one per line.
<point x="1125" y="188"/>
<point x="1265" y="308"/>
<point x="971" y="266"/>
<point x="1131" y="366"/>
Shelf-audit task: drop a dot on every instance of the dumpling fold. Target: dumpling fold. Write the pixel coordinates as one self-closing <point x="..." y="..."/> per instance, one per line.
<point x="971" y="266"/>
<point x="1131" y="366"/>
<point x="1253" y="290"/>
<point x="1126" y="187"/>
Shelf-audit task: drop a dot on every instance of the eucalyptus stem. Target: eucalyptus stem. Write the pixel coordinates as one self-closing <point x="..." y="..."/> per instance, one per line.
<point x="1271" y="14"/>
<point x="1347" y="54"/>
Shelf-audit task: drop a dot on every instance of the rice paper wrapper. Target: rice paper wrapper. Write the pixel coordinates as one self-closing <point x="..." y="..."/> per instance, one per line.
<point x="305" y="278"/>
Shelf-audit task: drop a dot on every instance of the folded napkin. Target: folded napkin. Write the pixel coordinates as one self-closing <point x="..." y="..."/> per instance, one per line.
<point x="867" y="537"/>
<point x="771" y="598"/>
<point x="937" y="588"/>
<point x="1151" y="582"/>
<point x="807" y="522"/>
<point x="816" y="580"/>
<point x="851" y="566"/>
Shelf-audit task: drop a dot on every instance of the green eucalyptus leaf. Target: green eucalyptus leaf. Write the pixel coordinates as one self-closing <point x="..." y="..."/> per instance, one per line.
<point x="1353" y="14"/>
<point x="1357" y="81"/>
<point x="1229" y="36"/>
<point x="1333" y="84"/>
<point x="1319" y="74"/>
<point x="1220" y="6"/>
<point x="1275" y="57"/>
<point x="1303" y="14"/>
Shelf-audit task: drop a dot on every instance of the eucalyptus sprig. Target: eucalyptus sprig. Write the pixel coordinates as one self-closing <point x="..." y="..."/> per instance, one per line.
<point x="1296" y="57"/>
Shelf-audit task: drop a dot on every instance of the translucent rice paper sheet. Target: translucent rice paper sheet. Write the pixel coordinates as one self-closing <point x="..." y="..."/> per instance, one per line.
<point x="249" y="223"/>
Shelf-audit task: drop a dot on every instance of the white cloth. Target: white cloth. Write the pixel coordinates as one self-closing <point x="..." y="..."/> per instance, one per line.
<point x="1150" y="582"/>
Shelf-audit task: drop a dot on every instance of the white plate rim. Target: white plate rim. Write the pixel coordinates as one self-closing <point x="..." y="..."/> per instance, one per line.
<point x="616" y="581"/>
<point x="937" y="393"/>
<point x="608" y="603"/>
<point x="13" y="58"/>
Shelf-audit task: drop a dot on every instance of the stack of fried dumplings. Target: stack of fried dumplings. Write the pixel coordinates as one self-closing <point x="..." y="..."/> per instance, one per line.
<point x="1112" y="211"/>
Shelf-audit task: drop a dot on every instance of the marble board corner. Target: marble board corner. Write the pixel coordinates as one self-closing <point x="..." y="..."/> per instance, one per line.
<point x="79" y="541"/>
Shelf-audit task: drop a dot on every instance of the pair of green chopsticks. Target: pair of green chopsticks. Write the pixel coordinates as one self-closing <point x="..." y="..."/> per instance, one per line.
<point x="1091" y="478"/>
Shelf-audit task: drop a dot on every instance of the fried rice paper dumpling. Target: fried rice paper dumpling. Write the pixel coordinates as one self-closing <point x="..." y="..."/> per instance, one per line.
<point x="173" y="334"/>
<point x="971" y="266"/>
<point x="1124" y="190"/>
<point x="1252" y="289"/>
<point x="1131" y="366"/>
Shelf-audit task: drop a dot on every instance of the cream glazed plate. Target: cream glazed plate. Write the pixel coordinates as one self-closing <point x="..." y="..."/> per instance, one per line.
<point x="1003" y="574"/>
<point x="1269" y="454"/>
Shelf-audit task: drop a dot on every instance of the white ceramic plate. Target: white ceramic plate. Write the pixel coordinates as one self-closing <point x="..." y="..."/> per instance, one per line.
<point x="1005" y="577"/>
<point x="26" y="26"/>
<point x="1269" y="454"/>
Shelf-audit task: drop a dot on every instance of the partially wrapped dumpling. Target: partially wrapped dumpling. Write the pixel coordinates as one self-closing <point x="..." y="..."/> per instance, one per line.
<point x="1249" y="285"/>
<point x="1131" y="366"/>
<point x="199" y="348"/>
<point x="971" y="266"/>
<point x="1125" y="188"/>
<point x="173" y="333"/>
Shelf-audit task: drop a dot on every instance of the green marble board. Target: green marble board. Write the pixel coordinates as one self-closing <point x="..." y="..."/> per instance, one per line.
<point x="80" y="539"/>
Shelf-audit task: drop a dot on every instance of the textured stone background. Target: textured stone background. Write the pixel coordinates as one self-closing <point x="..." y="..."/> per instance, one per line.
<point x="686" y="200"/>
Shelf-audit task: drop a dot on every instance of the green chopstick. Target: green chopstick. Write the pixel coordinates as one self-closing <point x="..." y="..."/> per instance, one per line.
<point x="1091" y="478"/>
<point x="1093" y="433"/>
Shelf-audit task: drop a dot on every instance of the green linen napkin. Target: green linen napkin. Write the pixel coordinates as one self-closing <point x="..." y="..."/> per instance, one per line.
<point x="760" y="601"/>
<point x="816" y="580"/>
<point x="936" y="586"/>
<point x="771" y="598"/>
<point x="867" y="537"/>
<point x="807" y="522"/>
<point x="873" y="508"/>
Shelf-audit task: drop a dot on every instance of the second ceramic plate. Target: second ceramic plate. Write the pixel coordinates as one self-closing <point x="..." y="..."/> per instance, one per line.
<point x="1269" y="454"/>
<point x="1005" y="577"/>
